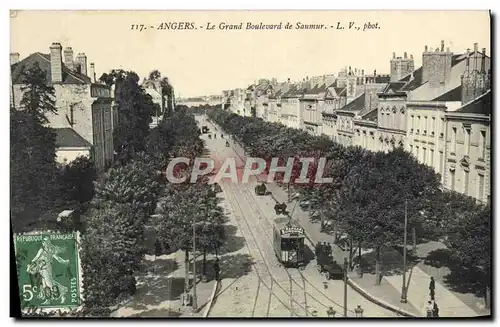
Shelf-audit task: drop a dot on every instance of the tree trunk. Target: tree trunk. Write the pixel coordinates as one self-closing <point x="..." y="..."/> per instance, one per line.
<point x="322" y="219"/>
<point x="487" y="297"/>
<point x="186" y="271"/>
<point x="377" y="266"/>
<point x="334" y="231"/>
<point x="350" y="254"/>
<point x="204" y="267"/>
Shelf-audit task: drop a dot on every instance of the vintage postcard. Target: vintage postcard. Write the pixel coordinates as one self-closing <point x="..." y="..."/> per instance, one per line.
<point x="251" y="164"/>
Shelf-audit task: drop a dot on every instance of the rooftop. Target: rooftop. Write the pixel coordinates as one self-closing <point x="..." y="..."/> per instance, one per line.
<point x="481" y="105"/>
<point x="67" y="138"/>
<point x="68" y="76"/>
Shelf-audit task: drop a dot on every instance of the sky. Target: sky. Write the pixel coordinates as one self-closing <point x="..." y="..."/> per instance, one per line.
<point x="204" y="62"/>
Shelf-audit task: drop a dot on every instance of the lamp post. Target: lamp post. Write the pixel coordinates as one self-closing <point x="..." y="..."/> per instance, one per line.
<point x="195" y="300"/>
<point x="345" y="287"/>
<point x="403" y="287"/>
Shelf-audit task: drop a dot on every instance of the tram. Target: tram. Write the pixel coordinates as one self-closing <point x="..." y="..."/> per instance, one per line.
<point x="288" y="242"/>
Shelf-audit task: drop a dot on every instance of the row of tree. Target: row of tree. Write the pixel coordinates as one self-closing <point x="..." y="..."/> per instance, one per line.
<point x="371" y="191"/>
<point x="134" y="195"/>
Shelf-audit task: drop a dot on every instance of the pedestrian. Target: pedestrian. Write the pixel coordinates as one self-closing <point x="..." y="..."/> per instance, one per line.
<point x="432" y="287"/>
<point x="436" y="310"/>
<point x="432" y="284"/>
<point x="316" y="250"/>
<point x="217" y="269"/>
<point x="430" y="309"/>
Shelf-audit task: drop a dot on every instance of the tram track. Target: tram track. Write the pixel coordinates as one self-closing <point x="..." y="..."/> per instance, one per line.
<point x="301" y="285"/>
<point x="304" y="280"/>
<point x="264" y="259"/>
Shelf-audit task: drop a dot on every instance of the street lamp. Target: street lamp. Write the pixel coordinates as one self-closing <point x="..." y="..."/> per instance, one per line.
<point x="345" y="286"/>
<point x="195" y="300"/>
<point x="403" y="287"/>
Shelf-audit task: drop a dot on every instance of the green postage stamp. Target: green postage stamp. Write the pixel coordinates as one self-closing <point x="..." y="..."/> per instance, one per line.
<point x="48" y="270"/>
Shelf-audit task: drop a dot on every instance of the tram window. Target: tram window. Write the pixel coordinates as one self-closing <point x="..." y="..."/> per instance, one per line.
<point x="288" y="244"/>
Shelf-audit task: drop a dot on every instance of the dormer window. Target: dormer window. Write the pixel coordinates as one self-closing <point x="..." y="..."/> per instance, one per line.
<point x="394" y="109"/>
<point x="418" y="131"/>
<point x="402" y="110"/>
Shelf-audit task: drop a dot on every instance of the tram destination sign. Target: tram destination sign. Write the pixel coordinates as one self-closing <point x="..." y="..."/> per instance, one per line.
<point x="293" y="230"/>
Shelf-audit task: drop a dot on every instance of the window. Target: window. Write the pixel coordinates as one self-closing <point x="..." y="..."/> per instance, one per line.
<point x="433" y="125"/>
<point x="417" y="152"/>
<point x="466" y="182"/>
<point x="425" y="124"/>
<point x="482" y="145"/>
<point x="412" y="123"/>
<point x="467" y="141"/>
<point x="453" y="140"/>
<point x="418" y="123"/>
<point x="452" y="180"/>
<point x="424" y="152"/>
<point x="411" y="149"/>
<point x="431" y="157"/>
<point x="480" y="191"/>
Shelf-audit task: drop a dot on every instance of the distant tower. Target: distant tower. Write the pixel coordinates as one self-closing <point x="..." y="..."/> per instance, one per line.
<point x="400" y="67"/>
<point x="351" y="85"/>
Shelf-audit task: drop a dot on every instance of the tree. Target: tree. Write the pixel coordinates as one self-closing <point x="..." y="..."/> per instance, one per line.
<point x="32" y="150"/>
<point x="154" y="75"/>
<point x="111" y="252"/>
<point x="469" y="238"/>
<point x="76" y="183"/>
<point x="38" y="97"/>
<point x="135" y="108"/>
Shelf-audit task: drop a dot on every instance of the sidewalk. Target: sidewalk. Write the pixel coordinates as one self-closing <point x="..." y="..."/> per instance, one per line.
<point x="160" y="288"/>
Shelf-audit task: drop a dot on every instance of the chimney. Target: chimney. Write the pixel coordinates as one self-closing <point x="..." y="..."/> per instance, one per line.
<point x="447" y="49"/>
<point x="426" y="49"/>
<point x="56" y="62"/>
<point x="436" y="67"/>
<point x="92" y="72"/>
<point x="68" y="58"/>
<point x="483" y="61"/>
<point x="14" y="58"/>
<point x="362" y="72"/>
<point x="394" y="55"/>
<point x="288" y="79"/>
<point x="405" y="55"/>
<point x="375" y="73"/>
<point x="475" y="47"/>
<point x="81" y="58"/>
<point x="411" y="57"/>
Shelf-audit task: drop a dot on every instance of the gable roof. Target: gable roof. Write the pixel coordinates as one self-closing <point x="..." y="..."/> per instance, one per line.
<point x="358" y="104"/>
<point x="67" y="138"/>
<point x="68" y="76"/>
<point x="452" y="95"/>
<point x="481" y="105"/>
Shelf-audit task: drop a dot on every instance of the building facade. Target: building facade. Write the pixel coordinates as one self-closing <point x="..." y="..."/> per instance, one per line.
<point x="82" y="105"/>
